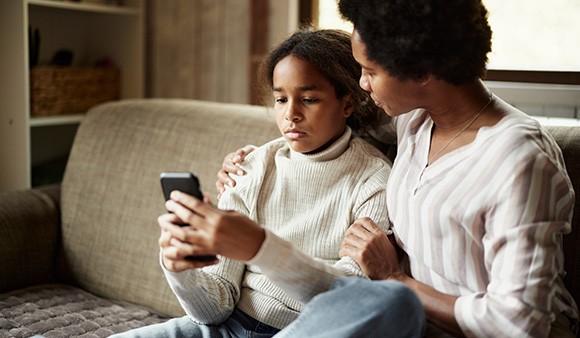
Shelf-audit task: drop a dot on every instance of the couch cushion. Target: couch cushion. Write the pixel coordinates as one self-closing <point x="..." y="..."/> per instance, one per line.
<point x="64" y="311"/>
<point x="29" y="232"/>
<point x="111" y="195"/>
<point x="568" y="139"/>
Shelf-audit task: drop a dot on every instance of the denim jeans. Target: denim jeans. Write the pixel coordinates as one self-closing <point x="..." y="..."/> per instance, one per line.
<point x="353" y="307"/>
<point x="356" y="307"/>
<point x="239" y="325"/>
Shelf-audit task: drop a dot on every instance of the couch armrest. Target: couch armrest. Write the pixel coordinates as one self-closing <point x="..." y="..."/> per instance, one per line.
<point x="29" y="237"/>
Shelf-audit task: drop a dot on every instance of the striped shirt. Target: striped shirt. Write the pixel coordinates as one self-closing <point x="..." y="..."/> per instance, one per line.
<point x="485" y="223"/>
<point x="305" y="203"/>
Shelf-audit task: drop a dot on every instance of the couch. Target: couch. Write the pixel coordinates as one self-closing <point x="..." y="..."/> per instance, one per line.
<point x="81" y="258"/>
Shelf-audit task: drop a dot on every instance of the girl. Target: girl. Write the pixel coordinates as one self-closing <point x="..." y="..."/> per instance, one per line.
<point x="280" y="237"/>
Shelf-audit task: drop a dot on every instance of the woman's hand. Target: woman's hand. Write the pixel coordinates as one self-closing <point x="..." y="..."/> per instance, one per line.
<point x="213" y="231"/>
<point x="230" y="165"/>
<point x="372" y="249"/>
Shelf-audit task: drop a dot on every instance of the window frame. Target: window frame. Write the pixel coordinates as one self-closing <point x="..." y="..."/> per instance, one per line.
<point x="308" y="12"/>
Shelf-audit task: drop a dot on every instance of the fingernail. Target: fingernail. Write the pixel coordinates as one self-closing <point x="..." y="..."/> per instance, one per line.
<point x="231" y="184"/>
<point x="236" y="158"/>
<point x="240" y="172"/>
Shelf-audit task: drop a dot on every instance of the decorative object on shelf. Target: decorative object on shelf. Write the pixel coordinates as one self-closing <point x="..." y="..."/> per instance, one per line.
<point x="71" y="90"/>
<point x="33" y="46"/>
<point x="62" y="57"/>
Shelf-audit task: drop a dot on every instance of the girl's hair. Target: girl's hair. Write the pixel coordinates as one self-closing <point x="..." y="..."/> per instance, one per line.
<point x="449" y="39"/>
<point x="330" y="52"/>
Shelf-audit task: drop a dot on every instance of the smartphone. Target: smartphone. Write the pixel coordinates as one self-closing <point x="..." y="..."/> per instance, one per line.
<point x="182" y="181"/>
<point x="188" y="183"/>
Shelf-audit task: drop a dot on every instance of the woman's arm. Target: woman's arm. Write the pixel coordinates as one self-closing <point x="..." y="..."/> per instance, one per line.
<point x="378" y="257"/>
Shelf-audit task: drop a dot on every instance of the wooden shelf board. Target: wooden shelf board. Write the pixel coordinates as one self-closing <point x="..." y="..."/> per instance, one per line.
<point x="86" y="7"/>
<point x="55" y="120"/>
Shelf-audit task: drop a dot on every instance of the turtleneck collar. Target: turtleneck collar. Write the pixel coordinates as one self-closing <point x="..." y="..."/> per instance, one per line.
<point x="333" y="151"/>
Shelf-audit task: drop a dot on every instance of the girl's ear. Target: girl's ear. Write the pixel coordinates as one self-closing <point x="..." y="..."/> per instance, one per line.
<point x="348" y="106"/>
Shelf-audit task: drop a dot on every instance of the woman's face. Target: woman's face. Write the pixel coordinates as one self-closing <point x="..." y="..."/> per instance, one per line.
<point x="394" y="96"/>
<point x="308" y="113"/>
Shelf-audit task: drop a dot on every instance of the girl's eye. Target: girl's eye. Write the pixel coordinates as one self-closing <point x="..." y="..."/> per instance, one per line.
<point x="309" y="100"/>
<point x="280" y="100"/>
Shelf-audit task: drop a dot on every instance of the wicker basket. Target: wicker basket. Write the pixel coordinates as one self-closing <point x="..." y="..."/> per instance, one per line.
<point x="70" y="90"/>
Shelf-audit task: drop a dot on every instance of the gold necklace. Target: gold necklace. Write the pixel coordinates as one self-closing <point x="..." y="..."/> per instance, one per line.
<point x="436" y="156"/>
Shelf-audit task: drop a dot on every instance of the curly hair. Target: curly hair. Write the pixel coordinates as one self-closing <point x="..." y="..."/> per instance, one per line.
<point x="330" y="52"/>
<point x="449" y="39"/>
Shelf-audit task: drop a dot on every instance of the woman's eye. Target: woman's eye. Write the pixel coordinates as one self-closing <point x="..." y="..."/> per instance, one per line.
<point x="367" y="73"/>
<point x="280" y="100"/>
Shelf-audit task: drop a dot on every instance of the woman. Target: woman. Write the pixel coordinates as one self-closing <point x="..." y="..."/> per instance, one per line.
<point x="478" y="196"/>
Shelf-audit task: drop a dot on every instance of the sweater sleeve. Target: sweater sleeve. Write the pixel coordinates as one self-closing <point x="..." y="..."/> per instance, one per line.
<point x="523" y="250"/>
<point x="208" y="295"/>
<point x="299" y="275"/>
<point x="370" y="202"/>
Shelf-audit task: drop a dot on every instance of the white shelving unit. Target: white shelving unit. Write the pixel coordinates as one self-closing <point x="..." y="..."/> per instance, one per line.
<point x="91" y="31"/>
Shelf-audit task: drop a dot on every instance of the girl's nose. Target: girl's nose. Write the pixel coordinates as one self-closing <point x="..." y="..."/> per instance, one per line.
<point x="293" y="113"/>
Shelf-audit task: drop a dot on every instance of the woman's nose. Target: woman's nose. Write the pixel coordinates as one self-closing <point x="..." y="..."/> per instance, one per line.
<point x="364" y="83"/>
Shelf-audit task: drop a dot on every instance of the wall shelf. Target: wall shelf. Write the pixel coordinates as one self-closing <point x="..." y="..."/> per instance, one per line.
<point x="92" y="32"/>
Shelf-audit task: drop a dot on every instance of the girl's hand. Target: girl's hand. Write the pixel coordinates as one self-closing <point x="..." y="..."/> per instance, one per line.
<point x="371" y="248"/>
<point x="174" y="251"/>
<point x="230" y="165"/>
<point x="214" y="231"/>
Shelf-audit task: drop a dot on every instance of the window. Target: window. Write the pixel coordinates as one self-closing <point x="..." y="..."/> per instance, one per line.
<point x="533" y="40"/>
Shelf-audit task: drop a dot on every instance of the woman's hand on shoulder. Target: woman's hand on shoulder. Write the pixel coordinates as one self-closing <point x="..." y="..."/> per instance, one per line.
<point x="230" y="165"/>
<point x="372" y="249"/>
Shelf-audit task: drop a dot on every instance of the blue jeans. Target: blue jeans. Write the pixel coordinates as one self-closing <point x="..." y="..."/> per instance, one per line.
<point x="353" y="307"/>
<point x="356" y="307"/>
<point x="238" y="325"/>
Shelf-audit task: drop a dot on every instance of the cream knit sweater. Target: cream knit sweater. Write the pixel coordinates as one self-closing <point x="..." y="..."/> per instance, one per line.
<point x="305" y="203"/>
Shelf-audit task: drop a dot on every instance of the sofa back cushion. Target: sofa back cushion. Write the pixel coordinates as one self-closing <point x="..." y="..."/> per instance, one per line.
<point x="111" y="195"/>
<point x="568" y="139"/>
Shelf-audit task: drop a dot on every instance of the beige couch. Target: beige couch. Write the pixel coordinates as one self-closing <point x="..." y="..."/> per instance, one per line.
<point x="82" y="258"/>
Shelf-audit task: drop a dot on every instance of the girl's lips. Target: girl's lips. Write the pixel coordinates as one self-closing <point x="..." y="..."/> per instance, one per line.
<point x="294" y="134"/>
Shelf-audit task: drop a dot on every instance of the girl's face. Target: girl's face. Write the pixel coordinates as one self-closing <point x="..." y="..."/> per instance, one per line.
<point x="394" y="96"/>
<point x="308" y="113"/>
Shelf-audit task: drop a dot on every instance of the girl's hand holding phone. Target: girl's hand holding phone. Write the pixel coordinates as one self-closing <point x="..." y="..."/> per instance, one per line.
<point x="224" y="232"/>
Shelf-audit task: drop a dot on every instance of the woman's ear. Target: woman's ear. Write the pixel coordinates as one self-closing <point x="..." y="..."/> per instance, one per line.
<point x="348" y="106"/>
<point x="426" y="80"/>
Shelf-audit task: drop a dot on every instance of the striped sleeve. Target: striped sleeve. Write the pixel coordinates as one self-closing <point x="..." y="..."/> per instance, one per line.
<point x="522" y="245"/>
